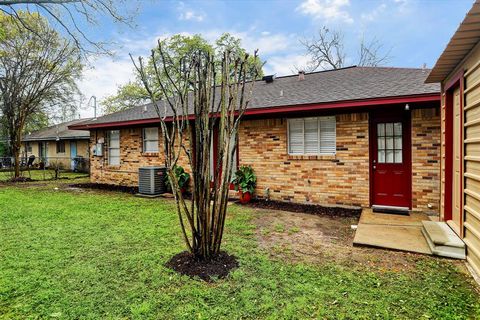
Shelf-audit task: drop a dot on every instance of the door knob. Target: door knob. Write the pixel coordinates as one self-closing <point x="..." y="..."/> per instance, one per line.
<point x="374" y="167"/>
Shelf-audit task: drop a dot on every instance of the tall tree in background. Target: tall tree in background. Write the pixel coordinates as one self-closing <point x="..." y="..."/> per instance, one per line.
<point x="177" y="47"/>
<point x="73" y="17"/>
<point x="36" y="77"/>
<point x="327" y="51"/>
<point x="201" y="85"/>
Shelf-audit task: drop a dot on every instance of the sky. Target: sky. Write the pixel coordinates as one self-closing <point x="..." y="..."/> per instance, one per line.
<point x="414" y="32"/>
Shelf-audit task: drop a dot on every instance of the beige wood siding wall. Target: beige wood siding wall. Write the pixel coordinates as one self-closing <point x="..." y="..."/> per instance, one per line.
<point x="472" y="162"/>
<point x="471" y="153"/>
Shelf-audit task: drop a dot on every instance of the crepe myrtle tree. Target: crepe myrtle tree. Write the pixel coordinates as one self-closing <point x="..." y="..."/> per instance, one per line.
<point x="200" y="94"/>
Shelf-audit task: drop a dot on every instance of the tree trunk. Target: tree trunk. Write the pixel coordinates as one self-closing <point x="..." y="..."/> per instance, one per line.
<point x="16" y="159"/>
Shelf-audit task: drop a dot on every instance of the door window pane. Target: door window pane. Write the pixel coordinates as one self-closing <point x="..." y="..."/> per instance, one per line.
<point x="381" y="129"/>
<point x="398" y="156"/>
<point x="398" y="143"/>
<point x="381" y="143"/>
<point x="398" y="128"/>
<point x="381" y="156"/>
<point x="389" y="156"/>
<point x="390" y="142"/>
<point x="389" y="129"/>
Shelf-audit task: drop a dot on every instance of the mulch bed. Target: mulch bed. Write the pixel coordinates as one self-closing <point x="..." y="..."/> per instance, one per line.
<point x="305" y="208"/>
<point x="104" y="186"/>
<point x="19" y="179"/>
<point x="217" y="267"/>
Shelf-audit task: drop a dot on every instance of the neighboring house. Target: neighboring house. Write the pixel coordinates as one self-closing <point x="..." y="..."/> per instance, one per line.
<point x="458" y="70"/>
<point x="357" y="136"/>
<point x="58" y="146"/>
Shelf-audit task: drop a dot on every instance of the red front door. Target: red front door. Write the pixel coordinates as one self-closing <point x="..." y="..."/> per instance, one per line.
<point x="390" y="159"/>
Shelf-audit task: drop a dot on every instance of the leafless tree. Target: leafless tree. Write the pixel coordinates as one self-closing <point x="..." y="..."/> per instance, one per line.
<point x="35" y="76"/>
<point x="371" y="55"/>
<point x="74" y="16"/>
<point x="194" y="106"/>
<point x="327" y="51"/>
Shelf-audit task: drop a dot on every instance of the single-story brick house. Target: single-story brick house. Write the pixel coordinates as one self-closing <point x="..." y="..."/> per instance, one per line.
<point x="458" y="71"/>
<point x="357" y="136"/>
<point x="57" y="144"/>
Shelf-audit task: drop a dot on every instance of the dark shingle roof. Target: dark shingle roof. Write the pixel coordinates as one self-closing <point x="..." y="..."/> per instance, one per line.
<point x="352" y="83"/>
<point x="59" y="131"/>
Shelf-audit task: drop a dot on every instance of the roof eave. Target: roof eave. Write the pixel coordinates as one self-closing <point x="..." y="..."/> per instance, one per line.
<point x="56" y="138"/>
<point x="361" y="103"/>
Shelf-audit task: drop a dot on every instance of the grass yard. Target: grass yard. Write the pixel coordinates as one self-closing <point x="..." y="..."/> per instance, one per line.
<point x="40" y="175"/>
<point x="70" y="254"/>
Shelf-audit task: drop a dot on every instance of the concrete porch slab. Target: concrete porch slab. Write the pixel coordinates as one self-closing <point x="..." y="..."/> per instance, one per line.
<point x="414" y="219"/>
<point x="396" y="232"/>
<point x="401" y="238"/>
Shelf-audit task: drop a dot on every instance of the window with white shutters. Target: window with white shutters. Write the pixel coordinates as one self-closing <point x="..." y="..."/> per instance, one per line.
<point x="312" y="136"/>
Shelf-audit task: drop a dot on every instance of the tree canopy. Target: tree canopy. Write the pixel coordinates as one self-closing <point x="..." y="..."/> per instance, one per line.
<point x="36" y="77"/>
<point x="180" y="49"/>
<point x="73" y="17"/>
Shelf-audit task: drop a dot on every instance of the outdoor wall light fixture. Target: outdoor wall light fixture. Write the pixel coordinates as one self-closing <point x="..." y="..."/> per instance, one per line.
<point x="407" y="107"/>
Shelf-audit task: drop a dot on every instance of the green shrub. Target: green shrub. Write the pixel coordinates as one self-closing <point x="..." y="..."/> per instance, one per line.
<point x="245" y="179"/>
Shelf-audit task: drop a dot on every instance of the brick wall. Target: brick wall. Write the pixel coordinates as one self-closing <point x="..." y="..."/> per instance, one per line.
<point x="131" y="158"/>
<point x="342" y="179"/>
<point x="426" y="159"/>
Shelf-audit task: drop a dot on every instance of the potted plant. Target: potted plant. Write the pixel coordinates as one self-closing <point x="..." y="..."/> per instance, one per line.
<point x="182" y="177"/>
<point x="245" y="182"/>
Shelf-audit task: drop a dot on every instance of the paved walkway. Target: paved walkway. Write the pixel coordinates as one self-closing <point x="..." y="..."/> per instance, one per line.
<point x="392" y="231"/>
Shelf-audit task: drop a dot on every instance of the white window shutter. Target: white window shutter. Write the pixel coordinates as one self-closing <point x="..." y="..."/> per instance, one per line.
<point x="327" y="135"/>
<point x="295" y="136"/>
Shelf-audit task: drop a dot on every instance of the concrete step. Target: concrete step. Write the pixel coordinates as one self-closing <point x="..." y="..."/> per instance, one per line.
<point x="442" y="240"/>
<point x="391" y="210"/>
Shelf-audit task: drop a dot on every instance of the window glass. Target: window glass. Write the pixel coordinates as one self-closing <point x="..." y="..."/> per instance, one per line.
<point x="114" y="147"/>
<point x="60" y="146"/>
<point x="150" y="139"/>
<point x="389" y="142"/>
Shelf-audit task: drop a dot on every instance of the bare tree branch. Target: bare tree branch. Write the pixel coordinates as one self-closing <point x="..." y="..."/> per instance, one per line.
<point x="326" y="51"/>
<point x="68" y="14"/>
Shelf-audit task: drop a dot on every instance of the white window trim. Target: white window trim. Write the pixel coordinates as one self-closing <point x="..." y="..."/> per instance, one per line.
<point x="144" y="140"/>
<point x="319" y="137"/>
<point x="110" y="148"/>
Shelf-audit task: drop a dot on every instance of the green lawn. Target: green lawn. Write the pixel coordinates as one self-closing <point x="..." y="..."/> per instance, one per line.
<point x="42" y="175"/>
<point x="69" y="255"/>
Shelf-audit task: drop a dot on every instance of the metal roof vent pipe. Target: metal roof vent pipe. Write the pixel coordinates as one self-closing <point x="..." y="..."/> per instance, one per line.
<point x="301" y="75"/>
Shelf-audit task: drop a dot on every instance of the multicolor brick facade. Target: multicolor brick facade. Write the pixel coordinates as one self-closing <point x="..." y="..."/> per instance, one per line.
<point x="340" y="179"/>
<point x="426" y="159"/>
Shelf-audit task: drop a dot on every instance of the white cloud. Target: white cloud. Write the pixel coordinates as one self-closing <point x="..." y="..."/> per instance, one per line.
<point x="326" y="9"/>
<point x="285" y="64"/>
<point x="189" y="14"/>
<point x="102" y="80"/>
<point x="107" y="74"/>
<point x="375" y="13"/>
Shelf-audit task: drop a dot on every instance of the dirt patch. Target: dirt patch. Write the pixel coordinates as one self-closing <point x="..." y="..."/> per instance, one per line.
<point x="305" y="208"/>
<point x="217" y="267"/>
<point x="317" y="239"/>
<point x="106" y="187"/>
